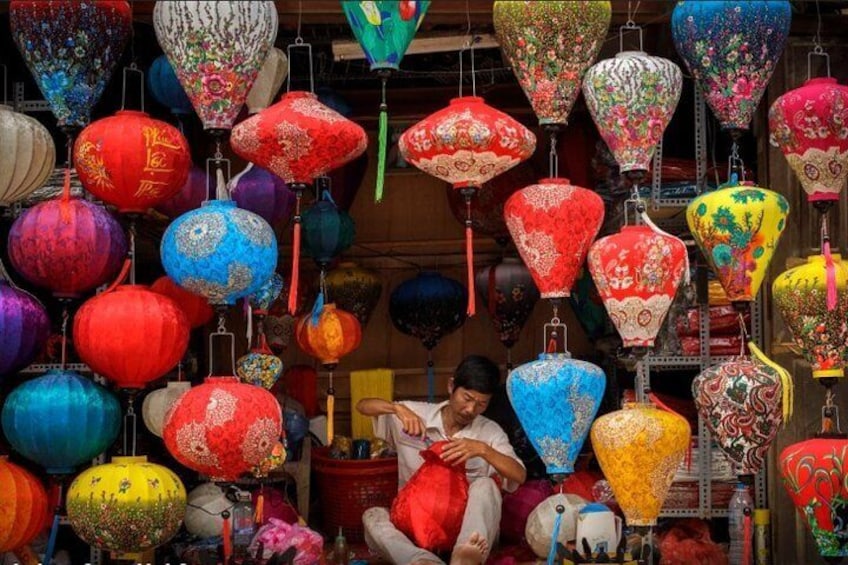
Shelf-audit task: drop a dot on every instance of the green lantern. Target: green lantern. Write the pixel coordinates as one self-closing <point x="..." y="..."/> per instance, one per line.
<point x="327" y="231"/>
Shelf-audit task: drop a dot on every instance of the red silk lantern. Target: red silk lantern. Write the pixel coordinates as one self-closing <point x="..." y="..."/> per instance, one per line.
<point x="553" y="223"/>
<point x="301" y="384"/>
<point x="131" y="335"/>
<point x="223" y="427"/>
<point x="23" y="506"/>
<point x="335" y="334"/>
<point x="196" y="308"/>
<point x="467" y="144"/>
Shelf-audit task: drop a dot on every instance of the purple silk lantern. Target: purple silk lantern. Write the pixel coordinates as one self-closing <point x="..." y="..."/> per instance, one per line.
<point x="264" y="193"/>
<point x="190" y="196"/>
<point x="24" y="328"/>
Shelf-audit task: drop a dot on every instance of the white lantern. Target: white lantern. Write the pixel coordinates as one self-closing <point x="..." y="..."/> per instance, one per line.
<point x="268" y="81"/>
<point x="540" y="524"/>
<point x="27" y="155"/>
<point x="157" y="403"/>
<point x="203" y="513"/>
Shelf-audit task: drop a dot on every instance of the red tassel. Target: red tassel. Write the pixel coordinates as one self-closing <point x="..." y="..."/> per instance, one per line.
<point x="65" y="210"/>
<point x="295" y="274"/>
<point x="259" y="513"/>
<point x="746" y="537"/>
<point x="469" y="259"/>
<point x="125" y="270"/>
<point x="831" y="277"/>
<point x="228" y="540"/>
<point x="552" y="345"/>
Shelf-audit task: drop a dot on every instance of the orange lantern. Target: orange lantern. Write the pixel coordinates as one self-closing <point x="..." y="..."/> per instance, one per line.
<point x="195" y="307"/>
<point x="23" y="506"/>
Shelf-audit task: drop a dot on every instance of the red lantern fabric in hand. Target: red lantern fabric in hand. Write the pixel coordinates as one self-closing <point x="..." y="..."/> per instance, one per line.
<point x="131" y="335"/>
<point x="195" y="307"/>
<point x="132" y="161"/>
<point x="23" y="506"/>
<point x="467" y="144"/>
<point x="553" y="223"/>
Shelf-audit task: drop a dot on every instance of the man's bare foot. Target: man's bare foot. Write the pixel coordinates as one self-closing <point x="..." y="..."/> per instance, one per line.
<point x="472" y="552"/>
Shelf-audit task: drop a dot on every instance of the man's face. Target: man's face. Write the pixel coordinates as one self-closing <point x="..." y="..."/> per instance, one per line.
<point x="467" y="404"/>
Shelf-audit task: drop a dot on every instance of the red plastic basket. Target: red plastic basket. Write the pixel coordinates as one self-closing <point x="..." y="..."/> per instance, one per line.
<point x="350" y="487"/>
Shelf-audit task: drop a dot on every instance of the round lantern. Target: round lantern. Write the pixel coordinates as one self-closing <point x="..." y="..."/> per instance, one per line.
<point x="731" y="48"/>
<point x="428" y="307"/>
<point x="132" y="161"/>
<point x="192" y="194"/>
<point x="556" y="399"/>
<point x="61" y="420"/>
<point x="195" y="307"/>
<point x="27" y="155"/>
<point x="222" y="428"/>
<point x="166" y="88"/>
<point x="637" y="272"/>
<point x="508" y="293"/>
<point x="127" y="506"/>
<point x="275" y="460"/>
<point x="553" y="223"/>
<point x="24" y="328"/>
<point x="260" y="367"/>
<point x="335" y="334"/>
<point x="24" y="503"/>
<point x="219" y="251"/>
<point x="810" y="125"/>
<point x="354" y="289"/>
<point x="640" y="449"/>
<point x="67" y="245"/>
<point x="268" y="81"/>
<point x="156" y="405"/>
<point x="539" y="531"/>
<point x="203" y="511"/>
<point x="737" y="229"/>
<point x="550" y="45"/>
<point x="131" y="335"/>
<point x="632" y="98"/>
<point x="263" y="193"/>
<point x="327" y="232"/>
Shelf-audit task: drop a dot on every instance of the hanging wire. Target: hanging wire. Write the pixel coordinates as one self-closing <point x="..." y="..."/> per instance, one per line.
<point x="130" y="423"/>
<point x="818" y="50"/>
<point x="132" y="251"/>
<point x="299" y="39"/>
<point x="65" y="317"/>
<point x="553" y="158"/>
<point x="469" y="44"/>
<point x="5" y="85"/>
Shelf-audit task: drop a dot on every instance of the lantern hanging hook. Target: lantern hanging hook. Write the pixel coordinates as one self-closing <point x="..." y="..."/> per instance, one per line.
<point x="133" y="68"/>
<point x="830" y="414"/>
<point x="818" y="49"/>
<point x="735" y="164"/>
<point x="630" y="25"/>
<point x="743" y="334"/>
<point x="553" y="157"/>
<point x="299" y="43"/>
<point x="635" y="200"/>
<point x="130" y="426"/>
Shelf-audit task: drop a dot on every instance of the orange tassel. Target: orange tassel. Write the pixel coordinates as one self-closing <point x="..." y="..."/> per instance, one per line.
<point x="125" y="270"/>
<point x="228" y="540"/>
<point x="469" y="259"/>
<point x="331" y="407"/>
<point x="259" y="512"/>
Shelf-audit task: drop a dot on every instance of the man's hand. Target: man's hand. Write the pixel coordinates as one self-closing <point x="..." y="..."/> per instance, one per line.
<point x="411" y="422"/>
<point x="461" y="450"/>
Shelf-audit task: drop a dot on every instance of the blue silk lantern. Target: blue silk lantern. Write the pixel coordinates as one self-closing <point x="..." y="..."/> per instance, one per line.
<point x="327" y="231"/>
<point x="556" y="399"/>
<point x="61" y="420"/>
<point x="262" y="192"/>
<point x="166" y="88"/>
<point x="262" y="299"/>
<point x="24" y="328"/>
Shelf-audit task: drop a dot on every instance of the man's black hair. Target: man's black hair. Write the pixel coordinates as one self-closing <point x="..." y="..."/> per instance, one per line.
<point x="477" y="373"/>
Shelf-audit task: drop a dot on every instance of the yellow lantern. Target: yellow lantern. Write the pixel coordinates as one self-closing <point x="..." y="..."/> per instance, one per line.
<point x="127" y="506"/>
<point x="640" y="448"/>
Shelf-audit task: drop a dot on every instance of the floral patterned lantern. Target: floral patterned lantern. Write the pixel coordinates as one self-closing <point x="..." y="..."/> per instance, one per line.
<point x="222" y="428"/>
<point x="27" y="155"/>
<point x="550" y="45"/>
<point x="731" y="48"/>
<point x="467" y="144"/>
<point x="24" y="503"/>
<point x="268" y="81"/>
<point x="132" y="161"/>
<point x="195" y="307"/>
<point x="640" y="449"/>
<point x="165" y="87"/>
<point x="127" y="506"/>
<point x="263" y="193"/>
<point x="354" y="289"/>
<point x="156" y="405"/>
<point x="631" y="98"/>
<point x="192" y="194"/>
<point x="24" y="327"/>
<point x="260" y="367"/>
<point x="509" y="295"/>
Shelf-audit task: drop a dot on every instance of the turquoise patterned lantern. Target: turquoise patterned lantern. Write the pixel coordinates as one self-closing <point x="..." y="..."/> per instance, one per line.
<point x="556" y="399"/>
<point x="61" y="420"/>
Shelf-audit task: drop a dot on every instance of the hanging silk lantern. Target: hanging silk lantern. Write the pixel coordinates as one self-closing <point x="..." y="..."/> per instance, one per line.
<point x="346" y="180"/>
<point x="301" y="384"/>
<point x="335" y="334"/>
<point x="263" y="298"/>
<point x="550" y="45"/>
<point x="542" y="521"/>
<point x="354" y="289"/>
<point x="467" y="144"/>
<point x="810" y="125"/>
<point x="737" y="229"/>
<point x="157" y="403"/>
<point x="71" y="48"/>
<point x="637" y="272"/>
<point x="24" y="503"/>
<point x="216" y="49"/>
<point x="132" y="161"/>
<point x="268" y="81"/>
<point x="131" y="335"/>
<point x="192" y="194"/>
<point x="205" y="505"/>
<point x="27" y="155"/>
<point x="263" y="193"/>
<point x="631" y="98"/>
<point x="731" y="49"/>
<point x="640" y="448"/>
<point x="67" y="245"/>
<point x="61" y="420"/>
<point x="556" y="399"/>
<point x="195" y="307"/>
<point x="260" y="367"/>
<point x="127" y="506"/>
<point x="274" y="461"/>
<point x="801" y="296"/>
<point x="166" y="88"/>
<point x="508" y="293"/>
<point x="223" y="427"/>
<point x="327" y="232"/>
<point x="814" y="476"/>
<point x="553" y="223"/>
<point x="24" y="328"/>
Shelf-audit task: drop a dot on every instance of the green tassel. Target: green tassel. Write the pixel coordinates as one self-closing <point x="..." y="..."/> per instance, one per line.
<point x="381" y="152"/>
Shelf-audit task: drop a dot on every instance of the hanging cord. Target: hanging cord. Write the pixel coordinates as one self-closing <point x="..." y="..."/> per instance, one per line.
<point x="553" y="158"/>
<point x="735" y="164"/>
<point x="818" y="49"/>
<point x="552" y="552"/>
<point x="54" y="529"/>
<point x="295" y="271"/>
<point x="431" y="377"/>
<point x="132" y="251"/>
<point x="830" y="268"/>
<point x="65" y="317"/>
<point x="830" y="414"/>
<point x="130" y="427"/>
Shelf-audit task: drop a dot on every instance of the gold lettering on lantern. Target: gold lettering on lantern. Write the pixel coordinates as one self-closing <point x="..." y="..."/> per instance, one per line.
<point x="157" y="144"/>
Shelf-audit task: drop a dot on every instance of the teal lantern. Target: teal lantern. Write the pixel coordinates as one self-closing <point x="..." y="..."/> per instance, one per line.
<point x="327" y="231"/>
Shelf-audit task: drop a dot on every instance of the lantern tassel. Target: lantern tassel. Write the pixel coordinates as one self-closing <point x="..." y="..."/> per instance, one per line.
<point x="65" y="209"/>
<point x="382" y="139"/>
<point x="331" y="407"/>
<point x="317" y="308"/>
<point x="51" y="541"/>
<point x="227" y="538"/>
<point x="431" y="377"/>
<point x="295" y="274"/>
<point x="259" y="512"/>
<point x="831" y="276"/>
<point x="785" y="380"/>
<point x="221" y="192"/>
<point x="469" y="259"/>
<point x="122" y="276"/>
<point x="656" y="229"/>
<point x="746" y="538"/>
<point x="552" y="553"/>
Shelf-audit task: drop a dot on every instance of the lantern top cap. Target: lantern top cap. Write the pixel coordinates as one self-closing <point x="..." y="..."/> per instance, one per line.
<point x="631" y="405"/>
<point x="554" y="356"/>
<point x="554" y="180"/>
<point x="179" y="384"/>
<point x="636" y="228"/>
<point x="127" y="459"/>
<point x="821" y="80"/>
<point x="467" y="100"/>
<point x="6" y="108"/>
<point x="819" y="259"/>
<point x="298" y="94"/>
<point x="132" y="113"/>
<point x="228" y="379"/>
<point x="629" y="54"/>
<point x="216" y="202"/>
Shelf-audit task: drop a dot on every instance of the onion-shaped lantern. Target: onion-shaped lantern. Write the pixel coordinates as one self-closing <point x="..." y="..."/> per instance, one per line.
<point x="354" y="289"/>
<point x="27" y="155"/>
<point x="157" y="403"/>
<point x="263" y="193"/>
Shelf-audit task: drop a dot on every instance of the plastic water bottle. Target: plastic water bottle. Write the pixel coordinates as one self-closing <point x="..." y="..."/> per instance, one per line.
<point x="736" y="517"/>
<point x="243" y="525"/>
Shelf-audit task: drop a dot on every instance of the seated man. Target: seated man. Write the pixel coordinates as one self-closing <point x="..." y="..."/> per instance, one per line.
<point x="476" y="442"/>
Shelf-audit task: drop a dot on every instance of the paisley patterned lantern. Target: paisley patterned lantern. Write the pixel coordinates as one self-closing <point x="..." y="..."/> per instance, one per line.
<point x="131" y="335"/>
<point x="27" y="155"/>
<point x="263" y="193"/>
<point x="327" y="231"/>
<point x="156" y="405"/>
<point x="61" y="420"/>
<point x="24" y="503"/>
<point x="166" y="88"/>
<point x="810" y="125"/>
<point x="550" y="45"/>
<point x="467" y="144"/>
<point x="507" y="291"/>
<point x="354" y="289"/>
<point x="216" y="49"/>
<point x="731" y="48"/>
<point x="556" y="399"/>
<point x="195" y="307"/>
<point x="222" y="428"/>
<point x="738" y="228"/>
<point x="192" y="194"/>
<point x="132" y="161"/>
<point x="640" y="449"/>
<point x="631" y="98"/>
<point x="71" y="48"/>
<point x="127" y="506"/>
<point x="24" y="327"/>
<point x="268" y="81"/>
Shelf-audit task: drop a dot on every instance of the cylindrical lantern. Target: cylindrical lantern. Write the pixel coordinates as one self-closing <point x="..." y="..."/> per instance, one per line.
<point x="127" y="506"/>
<point x="27" y="155"/>
<point x="24" y="503"/>
<point x="166" y="88"/>
<point x="195" y="307"/>
<point x="263" y="193"/>
<point x="131" y="335"/>
<point x="335" y="334"/>
<point x="157" y="403"/>
<point x="24" y="328"/>
<point x="354" y="289"/>
<point x="222" y="428"/>
<point x="327" y="232"/>
<point x="61" y="420"/>
<point x="640" y="449"/>
<point x="203" y="511"/>
<point x="268" y="81"/>
<point x="192" y="194"/>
